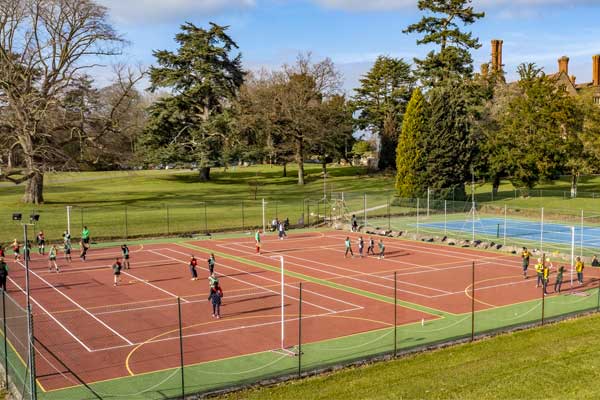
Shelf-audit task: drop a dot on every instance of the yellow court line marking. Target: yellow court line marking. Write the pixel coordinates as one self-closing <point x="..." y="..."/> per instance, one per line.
<point x="149" y="341"/>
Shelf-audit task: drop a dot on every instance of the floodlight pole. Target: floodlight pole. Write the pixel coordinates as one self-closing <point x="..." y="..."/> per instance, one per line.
<point x="26" y="254"/>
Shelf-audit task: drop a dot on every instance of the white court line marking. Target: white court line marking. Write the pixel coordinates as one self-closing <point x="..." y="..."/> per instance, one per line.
<point x="233" y="329"/>
<point x="354" y="278"/>
<point x="66" y="270"/>
<point x="261" y="287"/>
<point x="293" y="287"/>
<point x="79" y="306"/>
<point x="333" y="273"/>
<point x="51" y="316"/>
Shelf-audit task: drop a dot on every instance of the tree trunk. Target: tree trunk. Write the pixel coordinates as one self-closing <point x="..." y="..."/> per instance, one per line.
<point x="284" y="170"/>
<point x="204" y="174"/>
<point x="574" y="179"/>
<point x="300" y="160"/>
<point x="495" y="185"/>
<point x="34" y="189"/>
<point x="324" y="166"/>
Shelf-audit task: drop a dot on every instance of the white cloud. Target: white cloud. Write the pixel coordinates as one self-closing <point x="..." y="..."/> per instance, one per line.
<point x="379" y="5"/>
<point x="139" y="11"/>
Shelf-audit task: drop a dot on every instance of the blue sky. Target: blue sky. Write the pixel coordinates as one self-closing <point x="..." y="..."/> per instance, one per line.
<point x="353" y="32"/>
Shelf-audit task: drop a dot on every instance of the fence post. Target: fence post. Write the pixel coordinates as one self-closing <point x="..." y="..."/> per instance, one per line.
<point x="300" y="332"/>
<point x="205" y="220"/>
<point x="543" y="294"/>
<point x="395" y="312"/>
<point x="388" y="213"/>
<point x="181" y="349"/>
<point x="505" y="209"/>
<point x="542" y="231"/>
<point x="126" y="230"/>
<point x="5" y="337"/>
<point x="445" y="217"/>
<point x="81" y="213"/>
<point x="428" y="191"/>
<point x="168" y="220"/>
<point x="417" y="216"/>
<point x="473" y="301"/>
<point x="597" y="307"/>
<point x="581" y="236"/>
<point x="318" y="212"/>
<point x="32" y="356"/>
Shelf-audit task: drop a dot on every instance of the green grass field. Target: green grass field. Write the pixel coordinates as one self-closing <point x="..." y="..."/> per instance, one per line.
<point x="561" y="361"/>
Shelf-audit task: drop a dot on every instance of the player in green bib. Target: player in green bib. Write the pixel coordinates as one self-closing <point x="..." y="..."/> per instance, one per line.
<point x="257" y="240"/>
<point x="52" y="259"/>
<point x="381" y="249"/>
<point x="545" y="278"/>
<point x="348" y="245"/>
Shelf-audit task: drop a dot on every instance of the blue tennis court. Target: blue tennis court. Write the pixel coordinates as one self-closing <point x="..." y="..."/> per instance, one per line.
<point x="527" y="230"/>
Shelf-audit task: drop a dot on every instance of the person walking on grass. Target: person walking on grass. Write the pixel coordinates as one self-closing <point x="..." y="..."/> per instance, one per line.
<point x="257" y="240"/>
<point x="41" y="243"/>
<point x="3" y="273"/>
<point x="193" y="264"/>
<point x="381" y="249"/>
<point x="117" y="266"/>
<point x="579" y="266"/>
<point x="525" y="255"/>
<point x="125" y="251"/>
<point x="216" y="293"/>
<point x="348" y="247"/>
<point x="371" y="248"/>
<point x="211" y="264"/>
<point x="539" y="269"/>
<point x="52" y="259"/>
<point x="67" y="250"/>
<point x="16" y="248"/>
<point x="361" y="246"/>
<point x="559" y="279"/>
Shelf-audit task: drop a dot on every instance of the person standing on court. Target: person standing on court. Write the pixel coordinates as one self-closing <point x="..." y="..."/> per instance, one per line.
<point x="579" y="266"/>
<point x="193" y="264"/>
<point x="41" y="242"/>
<point x="85" y="236"/>
<point x="257" y="240"/>
<point x="52" y="259"/>
<point x="125" y="251"/>
<point x="539" y="269"/>
<point x="216" y="293"/>
<point x="545" y="278"/>
<point x="525" y="255"/>
<point x="354" y="223"/>
<point x="381" y="249"/>
<point x="281" y="230"/>
<point x="211" y="264"/>
<point x="348" y="244"/>
<point x="117" y="271"/>
<point x="371" y="248"/>
<point x="361" y="246"/>
<point x="559" y="279"/>
<point x="3" y="273"/>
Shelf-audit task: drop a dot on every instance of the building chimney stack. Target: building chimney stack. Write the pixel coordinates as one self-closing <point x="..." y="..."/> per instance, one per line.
<point x="497" y="56"/>
<point x="596" y="70"/>
<point x="563" y="65"/>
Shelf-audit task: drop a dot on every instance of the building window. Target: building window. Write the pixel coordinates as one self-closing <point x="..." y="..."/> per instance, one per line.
<point x="597" y="100"/>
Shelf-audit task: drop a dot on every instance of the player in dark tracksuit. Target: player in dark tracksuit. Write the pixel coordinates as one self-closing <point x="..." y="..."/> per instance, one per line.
<point x="216" y="293"/>
<point x="3" y="273"/>
<point x="211" y="264"/>
<point x="371" y="248"/>
<point x="125" y="251"/>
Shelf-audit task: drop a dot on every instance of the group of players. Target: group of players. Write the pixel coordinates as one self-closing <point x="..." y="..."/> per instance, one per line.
<point x="543" y="269"/>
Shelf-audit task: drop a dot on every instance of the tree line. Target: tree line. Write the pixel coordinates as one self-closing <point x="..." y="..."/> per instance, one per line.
<point x="436" y="122"/>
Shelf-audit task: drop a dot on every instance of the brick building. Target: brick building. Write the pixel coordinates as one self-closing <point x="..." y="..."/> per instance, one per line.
<point x="569" y="82"/>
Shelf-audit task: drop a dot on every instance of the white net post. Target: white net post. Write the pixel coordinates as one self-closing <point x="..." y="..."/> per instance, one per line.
<point x="572" y="253"/>
<point x="282" y="303"/>
<point x="542" y="230"/>
<point x="69" y="219"/>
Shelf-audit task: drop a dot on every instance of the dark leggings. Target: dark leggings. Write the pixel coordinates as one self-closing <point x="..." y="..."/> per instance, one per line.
<point x="216" y="309"/>
<point x="557" y="286"/>
<point x="348" y="249"/>
<point x="3" y="282"/>
<point x="193" y="271"/>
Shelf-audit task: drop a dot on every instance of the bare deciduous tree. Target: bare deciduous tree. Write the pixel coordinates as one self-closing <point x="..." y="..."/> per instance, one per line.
<point x="45" y="45"/>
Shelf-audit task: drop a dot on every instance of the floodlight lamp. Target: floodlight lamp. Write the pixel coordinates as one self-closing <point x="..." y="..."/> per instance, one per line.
<point x="16" y="216"/>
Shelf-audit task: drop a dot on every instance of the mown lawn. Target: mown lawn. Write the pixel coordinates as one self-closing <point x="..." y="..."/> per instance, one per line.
<point x="560" y="361"/>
